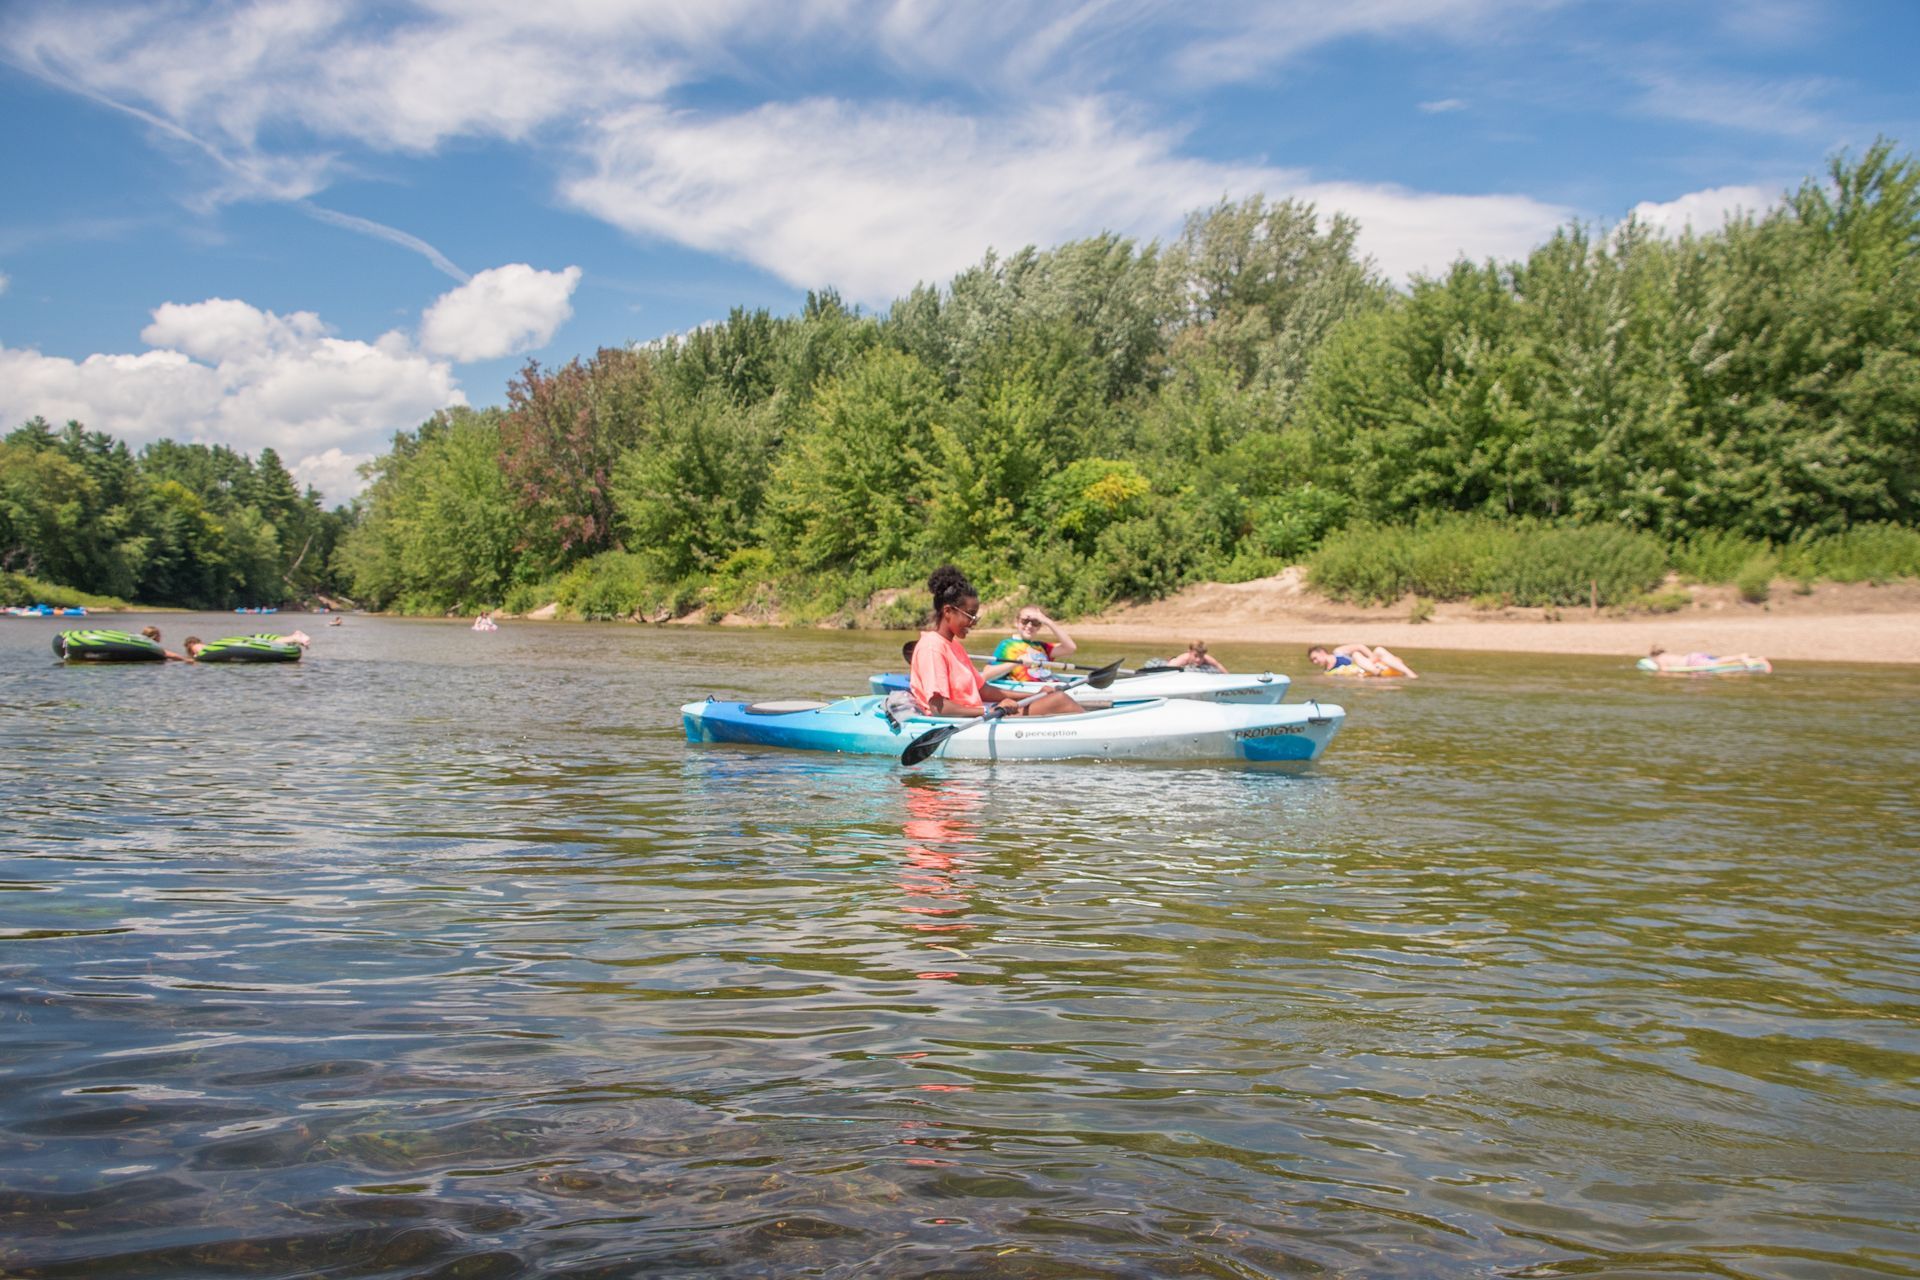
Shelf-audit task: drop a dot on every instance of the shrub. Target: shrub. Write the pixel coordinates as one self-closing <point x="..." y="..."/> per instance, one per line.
<point x="18" y="588"/>
<point x="525" y="597"/>
<point x="1716" y="556"/>
<point x="1289" y="526"/>
<point x="1755" y="579"/>
<point x="1669" y="601"/>
<point x="1487" y="601"/>
<point x="620" y="584"/>
<point x="1867" y="553"/>
<point x="743" y="583"/>
<point x="1422" y="611"/>
<point x="1460" y="557"/>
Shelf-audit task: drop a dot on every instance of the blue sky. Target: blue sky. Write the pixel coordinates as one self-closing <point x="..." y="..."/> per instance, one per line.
<point x="309" y="223"/>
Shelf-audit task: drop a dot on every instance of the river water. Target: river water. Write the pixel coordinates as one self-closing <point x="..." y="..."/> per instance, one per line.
<point x="443" y="954"/>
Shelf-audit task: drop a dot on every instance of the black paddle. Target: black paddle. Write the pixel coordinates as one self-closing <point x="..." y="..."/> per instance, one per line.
<point x="929" y="742"/>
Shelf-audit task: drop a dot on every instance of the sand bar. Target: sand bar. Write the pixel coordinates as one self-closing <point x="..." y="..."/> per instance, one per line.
<point x="1835" y="623"/>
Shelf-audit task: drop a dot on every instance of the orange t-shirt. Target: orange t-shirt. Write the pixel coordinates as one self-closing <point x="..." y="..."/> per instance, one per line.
<point x="941" y="666"/>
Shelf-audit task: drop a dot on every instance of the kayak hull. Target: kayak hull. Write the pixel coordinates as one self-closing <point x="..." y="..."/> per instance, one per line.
<point x="1145" y="729"/>
<point x="1265" y="689"/>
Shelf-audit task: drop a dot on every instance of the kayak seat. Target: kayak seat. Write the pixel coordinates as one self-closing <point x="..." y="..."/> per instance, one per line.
<point x="783" y="707"/>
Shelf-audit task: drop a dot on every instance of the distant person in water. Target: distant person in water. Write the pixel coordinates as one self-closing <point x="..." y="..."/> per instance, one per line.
<point x="1196" y="658"/>
<point x="485" y="621"/>
<point x="941" y="675"/>
<point x="153" y="634"/>
<point x="1374" y="659"/>
<point x="337" y="621"/>
<point x="1664" y="661"/>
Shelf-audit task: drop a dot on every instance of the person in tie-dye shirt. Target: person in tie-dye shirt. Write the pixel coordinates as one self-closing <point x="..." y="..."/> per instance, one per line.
<point x="1021" y="655"/>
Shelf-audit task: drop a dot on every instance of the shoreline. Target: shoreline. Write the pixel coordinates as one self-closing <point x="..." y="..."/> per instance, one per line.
<point x="1834" y="622"/>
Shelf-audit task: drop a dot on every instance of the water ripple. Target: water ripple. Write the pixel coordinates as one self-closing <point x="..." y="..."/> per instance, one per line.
<point x="442" y="955"/>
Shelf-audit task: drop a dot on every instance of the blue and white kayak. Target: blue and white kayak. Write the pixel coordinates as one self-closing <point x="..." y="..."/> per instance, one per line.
<point x="1142" y="729"/>
<point x="1199" y="686"/>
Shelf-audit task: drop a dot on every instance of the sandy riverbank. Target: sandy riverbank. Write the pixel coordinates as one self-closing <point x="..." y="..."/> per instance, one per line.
<point x="1836" y="622"/>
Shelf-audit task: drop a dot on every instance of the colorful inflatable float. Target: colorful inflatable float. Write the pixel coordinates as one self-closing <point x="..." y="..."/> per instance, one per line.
<point x="1712" y="666"/>
<point x="1352" y="671"/>
<point x="258" y="648"/>
<point x="106" y="646"/>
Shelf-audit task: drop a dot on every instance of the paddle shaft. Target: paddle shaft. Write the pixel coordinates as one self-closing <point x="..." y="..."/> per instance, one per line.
<point x="988" y="660"/>
<point x="929" y="742"/>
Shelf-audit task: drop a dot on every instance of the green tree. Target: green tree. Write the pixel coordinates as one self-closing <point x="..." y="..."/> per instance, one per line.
<point x="441" y="530"/>
<point x="690" y="495"/>
<point x="845" y="490"/>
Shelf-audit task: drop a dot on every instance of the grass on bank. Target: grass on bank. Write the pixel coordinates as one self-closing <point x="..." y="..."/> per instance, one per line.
<point x="1494" y="562"/>
<point x="18" y="588"/>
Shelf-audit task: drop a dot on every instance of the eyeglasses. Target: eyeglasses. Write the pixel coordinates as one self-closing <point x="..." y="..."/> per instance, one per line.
<point x="970" y="617"/>
<point x="1029" y="622"/>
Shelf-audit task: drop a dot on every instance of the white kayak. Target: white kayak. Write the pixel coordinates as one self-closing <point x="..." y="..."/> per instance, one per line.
<point x="1144" y="729"/>
<point x="1197" y="686"/>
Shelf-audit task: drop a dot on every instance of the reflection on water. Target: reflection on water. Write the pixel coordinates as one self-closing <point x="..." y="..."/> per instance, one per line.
<point x="442" y="954"/>
<point x="940" y="834"/>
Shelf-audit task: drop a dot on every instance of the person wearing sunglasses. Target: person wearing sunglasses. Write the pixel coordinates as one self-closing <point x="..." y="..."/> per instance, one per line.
<point x="1024" y="655"/>
<point x="941" y="675"/>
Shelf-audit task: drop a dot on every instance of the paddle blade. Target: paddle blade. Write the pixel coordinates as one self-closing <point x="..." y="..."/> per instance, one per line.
<point x="928" y="743"/>
<point x="1104" y="676"/>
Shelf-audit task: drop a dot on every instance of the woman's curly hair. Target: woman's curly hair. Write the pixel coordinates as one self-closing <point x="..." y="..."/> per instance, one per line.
<point x="949" y="586"/>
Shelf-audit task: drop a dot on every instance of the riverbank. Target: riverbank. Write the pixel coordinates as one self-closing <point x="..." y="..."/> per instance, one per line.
<point x="1837" y="622"/>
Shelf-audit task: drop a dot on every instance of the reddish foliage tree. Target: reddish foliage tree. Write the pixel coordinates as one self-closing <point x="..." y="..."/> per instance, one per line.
<point x="563" y="432"/>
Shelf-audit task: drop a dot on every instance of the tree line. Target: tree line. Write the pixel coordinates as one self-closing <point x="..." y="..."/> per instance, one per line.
<point x="1106" y="419"/>
<point x="186" y="524"/>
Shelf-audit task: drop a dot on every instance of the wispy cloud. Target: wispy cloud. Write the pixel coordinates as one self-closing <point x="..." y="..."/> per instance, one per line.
<point x="18" y="239"/>
<point x="1772" y="22"/>
<point x="380" y="231"/>
<point x="870" y="194"/>
<point x="872" y="200"/>
<point x="1788" y="106"/>
<point x="1244" y="41"/>
<point x="5" y="280"/>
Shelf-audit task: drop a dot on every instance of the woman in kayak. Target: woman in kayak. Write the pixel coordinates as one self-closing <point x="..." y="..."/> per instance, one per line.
<point x="942" y="677"/>
<point x="1018" y="656"/>
<point x="1374" y="659"/>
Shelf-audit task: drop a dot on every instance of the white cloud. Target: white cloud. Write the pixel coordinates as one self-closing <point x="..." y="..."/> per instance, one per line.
<point x="1418" y="232"/>
<point x="1704" y="211"/>
<point x="872" y="201"/>
<point x="332" y="472"/>
<point x="499" y="312"/>
<point x="1440" y="105"/>
<point x="221" y="79"/>
<point x="5" y="280"/>
<point x="224" y="372"/>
